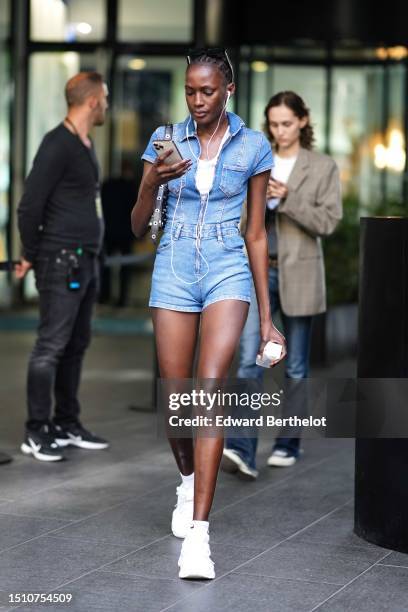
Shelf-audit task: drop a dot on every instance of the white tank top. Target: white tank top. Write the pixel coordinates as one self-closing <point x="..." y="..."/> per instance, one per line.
<point x="206" y="170"/>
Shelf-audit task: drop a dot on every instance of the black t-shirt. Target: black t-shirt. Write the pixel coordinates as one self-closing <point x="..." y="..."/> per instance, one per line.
<point x="59" y="205"/>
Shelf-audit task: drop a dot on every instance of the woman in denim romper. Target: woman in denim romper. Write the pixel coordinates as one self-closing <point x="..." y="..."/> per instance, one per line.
<point x="201" y="279"/>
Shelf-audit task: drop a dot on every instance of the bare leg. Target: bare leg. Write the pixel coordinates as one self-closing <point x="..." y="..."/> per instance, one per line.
<point x="221" y="328"/>
<point x="176" y="336"/>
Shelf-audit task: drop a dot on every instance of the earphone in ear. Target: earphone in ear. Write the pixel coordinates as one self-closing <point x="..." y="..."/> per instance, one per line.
<point x="228" y="95"/>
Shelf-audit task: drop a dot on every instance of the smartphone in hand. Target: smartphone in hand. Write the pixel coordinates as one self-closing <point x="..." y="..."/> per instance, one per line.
<point x="162" y="146"/>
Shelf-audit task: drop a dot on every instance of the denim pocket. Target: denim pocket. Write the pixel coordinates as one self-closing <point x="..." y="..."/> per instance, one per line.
<point x="233" y="179"/>
<point x="164" y="244"/>
<point x="233" y="241"/>
<point x="166" y="239"/>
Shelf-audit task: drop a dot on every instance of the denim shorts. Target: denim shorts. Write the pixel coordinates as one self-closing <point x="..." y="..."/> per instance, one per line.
<point x="189" y="279"/>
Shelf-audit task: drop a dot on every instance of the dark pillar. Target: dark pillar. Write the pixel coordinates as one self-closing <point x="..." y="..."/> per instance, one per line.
<point x="381" y="489"/>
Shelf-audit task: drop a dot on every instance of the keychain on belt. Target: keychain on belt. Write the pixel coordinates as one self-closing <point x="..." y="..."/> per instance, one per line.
<point x="73" y="275"/>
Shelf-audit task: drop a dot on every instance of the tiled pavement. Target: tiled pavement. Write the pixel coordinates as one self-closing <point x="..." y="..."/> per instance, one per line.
<point x="97" y="525"/>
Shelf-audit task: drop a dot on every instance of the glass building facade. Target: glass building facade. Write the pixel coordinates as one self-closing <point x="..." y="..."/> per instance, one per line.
<point x="356" y="94"/>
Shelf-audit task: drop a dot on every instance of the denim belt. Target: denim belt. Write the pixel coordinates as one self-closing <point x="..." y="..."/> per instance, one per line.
<point x="208" y="230"/>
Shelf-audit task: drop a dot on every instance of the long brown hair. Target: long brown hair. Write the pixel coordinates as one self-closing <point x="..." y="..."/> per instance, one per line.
<point x="293" y="101"/>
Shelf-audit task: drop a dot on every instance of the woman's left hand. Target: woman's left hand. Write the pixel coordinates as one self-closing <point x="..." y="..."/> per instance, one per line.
<point x="269" y="333"/>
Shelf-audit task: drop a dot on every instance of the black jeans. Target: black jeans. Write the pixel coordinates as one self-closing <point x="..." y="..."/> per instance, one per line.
<point x="64" y="333"/>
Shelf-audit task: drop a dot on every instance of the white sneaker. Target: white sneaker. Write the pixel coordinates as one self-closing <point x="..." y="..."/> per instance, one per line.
<point x="183" y="512"/>
<point x="232" y="463"/>
<point x="195" y="558"/>
<point x="281" y="458"/>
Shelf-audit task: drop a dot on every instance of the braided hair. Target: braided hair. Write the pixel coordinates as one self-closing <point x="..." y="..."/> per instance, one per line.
<point x="213" y="57"/>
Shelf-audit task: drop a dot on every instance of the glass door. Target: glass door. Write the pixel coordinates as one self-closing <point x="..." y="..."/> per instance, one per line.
<point x="149" y="91"/>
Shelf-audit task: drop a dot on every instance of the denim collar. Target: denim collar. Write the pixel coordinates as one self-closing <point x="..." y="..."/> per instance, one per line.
<point x="235" y="124"/>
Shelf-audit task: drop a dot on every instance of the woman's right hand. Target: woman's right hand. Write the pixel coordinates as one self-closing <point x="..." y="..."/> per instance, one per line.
<point x="269" y="333"/>
<point x="160" y="172"/>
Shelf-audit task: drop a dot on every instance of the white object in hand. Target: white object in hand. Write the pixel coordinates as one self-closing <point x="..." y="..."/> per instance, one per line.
<point x="271" y="352"/>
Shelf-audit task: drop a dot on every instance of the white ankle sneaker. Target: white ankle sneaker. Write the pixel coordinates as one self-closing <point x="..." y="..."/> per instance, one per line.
<point x="183" y="512"/>
<point x="281" y="458"/>
<point x="195" y="558"/>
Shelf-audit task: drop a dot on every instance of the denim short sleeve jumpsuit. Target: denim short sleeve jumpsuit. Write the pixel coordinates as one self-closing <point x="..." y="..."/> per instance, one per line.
<point x="201" y="259"/>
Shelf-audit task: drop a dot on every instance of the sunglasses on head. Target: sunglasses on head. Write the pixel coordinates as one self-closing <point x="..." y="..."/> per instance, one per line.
<point x="216" y="52"/>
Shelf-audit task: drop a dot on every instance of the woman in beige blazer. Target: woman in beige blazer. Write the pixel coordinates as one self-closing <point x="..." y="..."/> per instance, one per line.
<point x="303" y="205"/>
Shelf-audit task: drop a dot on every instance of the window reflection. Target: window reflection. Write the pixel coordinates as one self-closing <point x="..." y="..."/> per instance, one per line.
<point x="4" y="19"/>
<point x="370" y="154"/>
<point x="155" y="20"/>
<point x="47" y="107"/>
<point x="308" y="82"/>
<point x="149" y="91"/>
<point x="395" y="140"/>
<point x="356" y="128"/>
<point x="67" y="20"/>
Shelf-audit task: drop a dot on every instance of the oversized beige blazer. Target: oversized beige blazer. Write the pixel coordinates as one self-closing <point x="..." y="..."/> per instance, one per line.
<point x="311" y="209"/>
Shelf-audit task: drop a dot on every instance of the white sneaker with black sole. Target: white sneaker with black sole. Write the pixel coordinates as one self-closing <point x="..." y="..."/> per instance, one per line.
<point x="195" y="558"/>
<point x="76" y="435"/>
<point x="281" y="458"/>
<point x="41" y="445"/>
<point x="183" y="512"/>
<point x="232" y="463"/>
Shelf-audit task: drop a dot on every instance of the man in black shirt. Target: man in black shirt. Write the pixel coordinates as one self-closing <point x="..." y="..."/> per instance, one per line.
<point x="61" y="227"/>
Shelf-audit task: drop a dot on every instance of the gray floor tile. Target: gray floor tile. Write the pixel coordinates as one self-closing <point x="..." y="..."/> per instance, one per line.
<point x="84" y="496"/>
<point x="17" y="529"/>
<point x="396" y="558"/>
<point x="27" y="476"/>
<point x="337" y="529"/>
<point x="277" y="512"/>
<point x="249" y="525"/>
<point x="312" y="561"/>
<point x="313" y="452"/>
<point x="135" y="523"/>
<point x="336" y="470"/>
<point x="239" y="593"/>
<point x="160" y="559"/>
<point x="47" y="562"/>
<point x="323" y="447"/>
<point x="230" y="488"/>
<point x="95" y="593"/>
<point x="381" y="589"/>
